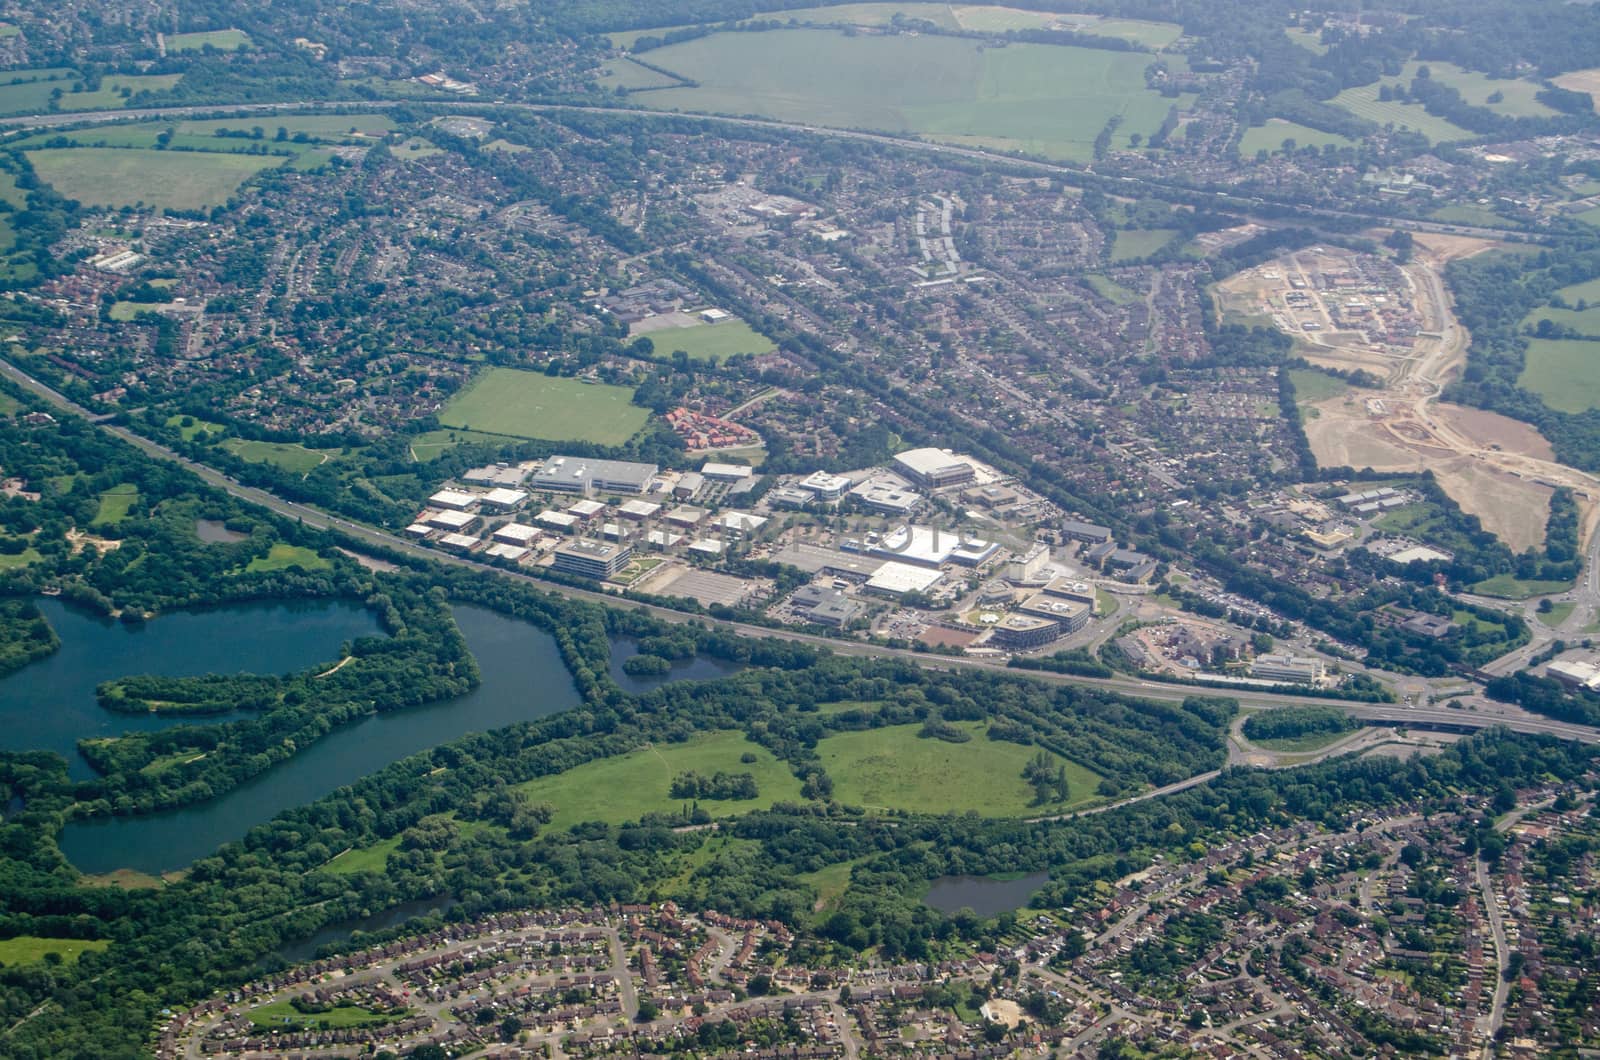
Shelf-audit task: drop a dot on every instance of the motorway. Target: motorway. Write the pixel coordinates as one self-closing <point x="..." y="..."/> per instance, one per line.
<point x="1483" y="716"/>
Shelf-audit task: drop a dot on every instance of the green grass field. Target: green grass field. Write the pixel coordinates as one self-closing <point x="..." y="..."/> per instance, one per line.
<point x="520" y="404"/>
<point x="1557" y="614"/>
<point x="115" y="504"/>
<point x="1564" y="372"/>
<point x="1038" y="98"/>
<point x="893" y="769"/>
<point x="710" y="343"/>
<point x="364" y="859"/>
<point x="166" y="180"/>
<point x="628" y="786"/>
<point x="1270" y="137"/>
<point x="629" y="75"/>
<point x="125" y="311"/>
<point x="285" y="557"/>
<point x="1518" y="97"/>
<point x="291" y="456"/>
<point x="1469" y="214"/>
<point x="1311" y="42"/>
<point x="1133" y="243"/>
<point x="1301" y="744"/>
<point x="978" y="18"/>
<point x="1312" y="385"/>
<point x="194" y="428"/>
<point x="1111" y="290"/>
<point x="1364" y="102"/>
<point x="1589" y="291"/>
<point x="30" y="949"/>
<point x="433" y="444"/>
<point x="1509" y="588"/>
<point x="1585" y="322"/>
<point x="227" y="40"/>
<point x="24" y="558"/>
<point x="282" y="1015"/>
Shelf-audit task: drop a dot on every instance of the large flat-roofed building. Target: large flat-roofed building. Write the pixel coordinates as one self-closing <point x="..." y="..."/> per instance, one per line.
<point x="1020" y="632"/>
<point x="563" y="521"/>
<point x="1574" y="673"/>
<point x="588" y="558"/>
<point x="1068" y="589"/>
<point x="932" y="468"/>
<point x="1088" y="533"/>
<point x="827" y="487"/>
<point x="726" y="472"/>
<point x="495" y="475"/>
<point x="897" y="579"/>
<point x="886" y="498"/>
<point x="1290" y="669"/>
<point x="453" y="521"/>
<point x="826" y="607"/>
<point x="1070" y="615"/>
<point x="581" y="474"/>
<point x="517" y="534"/>
<point x="638" y="511"/>
<point x="455" y="500"/>
<point x="505" y="500"/>
<point x="930" y="547"/>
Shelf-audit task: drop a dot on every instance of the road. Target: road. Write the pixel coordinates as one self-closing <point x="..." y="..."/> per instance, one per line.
<point x="1421" y="716"/>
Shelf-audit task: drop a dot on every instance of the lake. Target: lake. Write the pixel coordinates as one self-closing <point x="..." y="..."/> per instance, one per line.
<point x="982" y="894"/>
<point x="523" y="678"/>
<point x="699" y="668"/>
<point x="49" y="705"/>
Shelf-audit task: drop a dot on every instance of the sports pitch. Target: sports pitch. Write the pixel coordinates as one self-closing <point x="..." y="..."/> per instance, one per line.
<point x="523" y="404"/>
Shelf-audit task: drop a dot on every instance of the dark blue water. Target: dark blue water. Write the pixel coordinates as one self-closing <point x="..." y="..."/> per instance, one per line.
<point x="699" y="668"/>
<point x="523" y="678"/>
<point x="50" y="705"/>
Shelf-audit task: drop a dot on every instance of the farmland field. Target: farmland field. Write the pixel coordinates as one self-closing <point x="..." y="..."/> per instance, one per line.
<point x="628" y="786"/>
<point x="1364" y="103"/>
<point x="629" y="75"/>
<point x="1564" y="372"/>
<point x="522" y="404"/>
<point x="1038" y="98"/>
<point x="178" y="181"/>
<point x="222" y="39"/>
<point x="893" y="769"/>
<point x="1270" y="137"/>
<point x="710" y="343"/>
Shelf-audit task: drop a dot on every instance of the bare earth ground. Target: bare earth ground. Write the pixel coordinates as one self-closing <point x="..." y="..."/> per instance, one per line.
<point x="1499" y="469"/>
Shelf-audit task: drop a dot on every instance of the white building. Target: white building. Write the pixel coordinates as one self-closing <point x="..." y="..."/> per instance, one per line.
<point x="1290" y="669"/>
<point x="517" y="534"/>
<point x="726" y="472"/>
<point x="454" y="499"/>
<point x="453" y="521"/>
<point x="505" y="500"/>
<point x="898" y="579"/>
<point x="932" y="468"/>
<point x="827" y="487"/>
